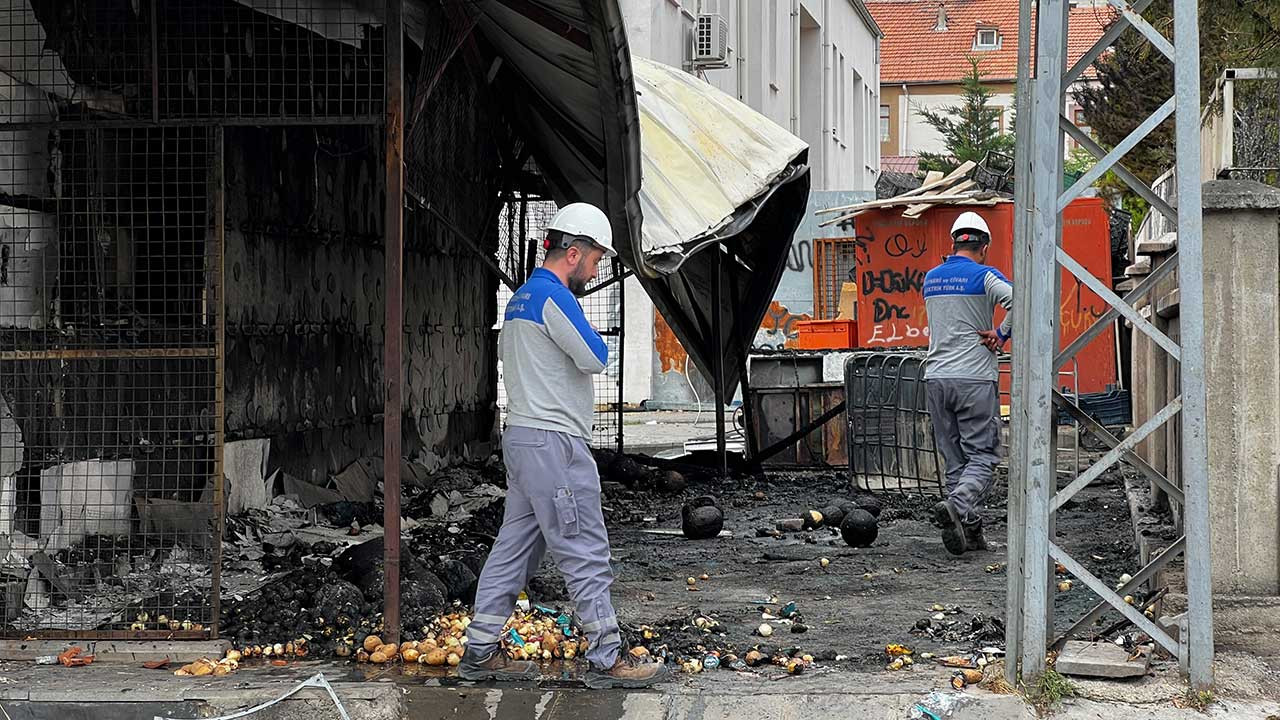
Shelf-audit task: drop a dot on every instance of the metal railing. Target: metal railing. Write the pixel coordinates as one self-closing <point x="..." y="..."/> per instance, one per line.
<point x="1241" y="126"/>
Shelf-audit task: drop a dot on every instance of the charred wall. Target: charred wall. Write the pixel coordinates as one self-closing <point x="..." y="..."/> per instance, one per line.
<point x="106" y="241"/>
<point x="305" y="305"/>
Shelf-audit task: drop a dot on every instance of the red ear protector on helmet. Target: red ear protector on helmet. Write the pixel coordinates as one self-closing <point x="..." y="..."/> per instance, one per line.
<point x="972" y="236"/>
<point x="562" y="240"/>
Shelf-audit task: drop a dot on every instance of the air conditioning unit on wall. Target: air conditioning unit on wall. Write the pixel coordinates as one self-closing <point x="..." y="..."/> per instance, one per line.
<point x="710" y="41"/>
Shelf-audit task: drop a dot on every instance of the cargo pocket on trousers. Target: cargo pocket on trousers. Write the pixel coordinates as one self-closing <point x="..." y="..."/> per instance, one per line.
<point x="567" y="509"/>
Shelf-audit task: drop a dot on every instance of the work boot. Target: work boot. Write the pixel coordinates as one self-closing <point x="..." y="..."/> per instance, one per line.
<point x="628" y="672"/>
<point x="973" y="537"/>
<point x="496" y="667"/>
<point x="946" y="518"/>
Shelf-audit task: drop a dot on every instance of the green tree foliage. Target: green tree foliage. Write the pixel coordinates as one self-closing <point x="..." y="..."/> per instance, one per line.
<point x="970" y="129"/>
<point x="1136" y="79"/>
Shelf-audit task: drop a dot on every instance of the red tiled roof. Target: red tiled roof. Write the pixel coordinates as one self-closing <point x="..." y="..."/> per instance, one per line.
<point x="900" y="163"/>
<point x="913" y="52"/>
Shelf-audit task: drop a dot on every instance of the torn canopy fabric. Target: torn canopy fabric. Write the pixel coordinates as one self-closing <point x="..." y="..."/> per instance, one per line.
<point x="715" y="172"/>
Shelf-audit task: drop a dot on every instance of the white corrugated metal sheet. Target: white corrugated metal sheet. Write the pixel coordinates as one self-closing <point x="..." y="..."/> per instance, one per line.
<point x="704" y="155"/>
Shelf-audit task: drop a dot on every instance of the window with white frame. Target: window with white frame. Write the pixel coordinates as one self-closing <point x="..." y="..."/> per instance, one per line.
<point x="997" y="123"/>
<point x="987" y="39"/>
<point x="884" y="123"/>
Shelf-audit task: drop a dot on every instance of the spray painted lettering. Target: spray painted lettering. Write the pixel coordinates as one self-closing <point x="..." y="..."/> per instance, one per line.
<point x="891" y="281"/>
<point x="898" y="245"/>
<point x="801" y="256"/>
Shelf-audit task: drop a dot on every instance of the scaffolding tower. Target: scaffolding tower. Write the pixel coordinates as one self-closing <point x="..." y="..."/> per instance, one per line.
<point x="1034" y="493"/>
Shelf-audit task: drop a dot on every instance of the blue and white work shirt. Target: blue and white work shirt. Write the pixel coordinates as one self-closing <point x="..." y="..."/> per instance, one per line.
<point x="549" y="352"/>
<point x="960" y="298"/>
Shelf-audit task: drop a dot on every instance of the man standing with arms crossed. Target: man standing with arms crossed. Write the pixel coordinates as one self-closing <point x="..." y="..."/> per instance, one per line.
<point x="549" y="353"/>
<point x="962" y="378"/>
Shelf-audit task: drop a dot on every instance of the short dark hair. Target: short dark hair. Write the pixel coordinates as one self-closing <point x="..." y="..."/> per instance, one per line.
<point x="970" y="240"/>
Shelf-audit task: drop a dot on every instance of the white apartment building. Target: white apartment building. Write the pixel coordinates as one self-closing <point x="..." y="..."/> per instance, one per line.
<point x="812" y="67"/>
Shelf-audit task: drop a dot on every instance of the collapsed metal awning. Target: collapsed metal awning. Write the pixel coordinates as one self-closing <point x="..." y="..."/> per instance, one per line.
<point x="716" y="174"/>
<point x="724" y="190"/>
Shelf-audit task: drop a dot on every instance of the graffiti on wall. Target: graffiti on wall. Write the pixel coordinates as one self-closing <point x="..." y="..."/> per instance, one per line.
<point x="779" y="329"/>
<point x="900" y="251"/>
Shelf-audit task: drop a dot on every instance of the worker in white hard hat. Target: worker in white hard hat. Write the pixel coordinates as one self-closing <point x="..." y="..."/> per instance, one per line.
<point x="549" y="354"/>
<point x="962" y="377"/>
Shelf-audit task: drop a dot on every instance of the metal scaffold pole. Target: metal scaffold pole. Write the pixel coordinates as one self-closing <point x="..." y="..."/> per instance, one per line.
<point x="393" y="353"/>
<point x="1040" y="261"/>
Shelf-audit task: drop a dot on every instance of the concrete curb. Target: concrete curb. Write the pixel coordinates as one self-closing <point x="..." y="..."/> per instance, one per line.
<point x="124" y="651"/>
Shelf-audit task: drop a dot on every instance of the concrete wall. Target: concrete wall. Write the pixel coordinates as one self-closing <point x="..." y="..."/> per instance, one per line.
<point x="1242" y="378"/>
<point x="1242" y="368"/>
<point x="909" y="134"/>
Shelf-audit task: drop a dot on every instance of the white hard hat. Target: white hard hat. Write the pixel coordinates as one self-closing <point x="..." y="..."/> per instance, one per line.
<point x="972" y="221"/>
<point x="584" y="221"/>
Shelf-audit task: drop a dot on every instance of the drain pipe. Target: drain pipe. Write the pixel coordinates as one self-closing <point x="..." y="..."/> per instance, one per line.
<point x="740" y="24"/>
<point x="828" y="103"/>
<point x="906" y="120"/>
<point x="795" y="67"/>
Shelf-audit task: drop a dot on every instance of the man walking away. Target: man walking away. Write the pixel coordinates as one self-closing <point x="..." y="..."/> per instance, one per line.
<point x="962" y="378"/>
<point x="549" y="353"/>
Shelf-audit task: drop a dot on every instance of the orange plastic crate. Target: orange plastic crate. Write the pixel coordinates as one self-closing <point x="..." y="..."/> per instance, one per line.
<point x="825" y="334"/>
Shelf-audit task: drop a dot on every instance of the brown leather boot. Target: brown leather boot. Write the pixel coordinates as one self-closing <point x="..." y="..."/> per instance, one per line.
<point x="496" y="667"/>
<point x="628" y="672"/>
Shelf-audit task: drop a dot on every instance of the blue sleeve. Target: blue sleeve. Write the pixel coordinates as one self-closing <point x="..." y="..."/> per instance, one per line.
<point x="568" y="327"/>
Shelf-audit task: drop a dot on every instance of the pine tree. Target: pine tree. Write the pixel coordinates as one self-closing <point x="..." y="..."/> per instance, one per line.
<point x="969" y="130"/>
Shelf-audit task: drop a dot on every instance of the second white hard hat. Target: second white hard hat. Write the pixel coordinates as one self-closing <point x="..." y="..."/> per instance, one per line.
<point x="970" y="221"/>
<point x="585" y="220"/>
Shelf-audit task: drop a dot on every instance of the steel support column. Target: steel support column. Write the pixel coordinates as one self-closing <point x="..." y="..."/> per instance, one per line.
<point x="1195" y="443"/>
<point x="394" y="319"/>
<point x="1039" y="261"/>
<point x="1017" y="423"/>
<point x="717" y="359"/>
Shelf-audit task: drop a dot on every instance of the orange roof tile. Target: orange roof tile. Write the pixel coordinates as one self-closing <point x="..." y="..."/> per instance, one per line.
<point x="914" y="52"/>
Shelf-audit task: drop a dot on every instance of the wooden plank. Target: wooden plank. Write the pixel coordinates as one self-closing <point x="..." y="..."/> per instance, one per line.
<point x="916" y="211"/>
<point x="848" y="297"/>
<point x="956" y="174"/>
<point x="899" y="200"/>
<point x="961" y="187"/>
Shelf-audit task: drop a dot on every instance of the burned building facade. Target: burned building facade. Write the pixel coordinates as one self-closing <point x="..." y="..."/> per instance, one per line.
<point x="192" y="255"/>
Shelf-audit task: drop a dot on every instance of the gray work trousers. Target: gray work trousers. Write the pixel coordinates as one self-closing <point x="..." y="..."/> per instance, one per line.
<point x="966" y="432"/>
<point x="553" y="503"/>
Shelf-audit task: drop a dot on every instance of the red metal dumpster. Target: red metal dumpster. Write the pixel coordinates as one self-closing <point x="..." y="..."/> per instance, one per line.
<point x="894" y="253"/>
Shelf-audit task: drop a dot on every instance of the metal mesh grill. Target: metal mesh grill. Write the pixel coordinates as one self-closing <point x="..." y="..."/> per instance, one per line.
<point x="216" y="60"/>
<point x="520" y="228"/>
<point x="834" y="264"/>
<point x="1256" y="137"/>
<point x="110" y="299"/>
<point x="890" y="436"/>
